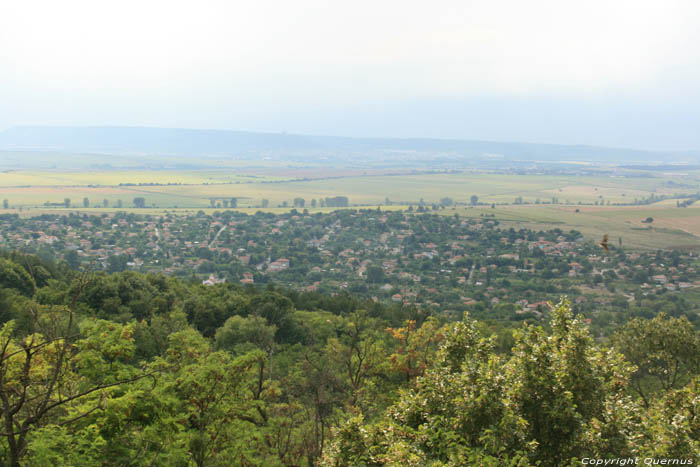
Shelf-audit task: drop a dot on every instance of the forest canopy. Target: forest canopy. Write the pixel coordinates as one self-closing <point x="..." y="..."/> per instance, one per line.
<point x="135" y="369"/>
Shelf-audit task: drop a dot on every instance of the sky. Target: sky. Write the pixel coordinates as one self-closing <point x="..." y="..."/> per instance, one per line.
<point x="603" y="72"/>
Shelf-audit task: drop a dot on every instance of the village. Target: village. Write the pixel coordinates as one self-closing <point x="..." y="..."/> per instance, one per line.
<point x="434" y="262"/>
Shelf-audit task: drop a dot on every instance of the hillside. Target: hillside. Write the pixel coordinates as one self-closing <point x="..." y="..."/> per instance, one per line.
<point x="181" y="143"/>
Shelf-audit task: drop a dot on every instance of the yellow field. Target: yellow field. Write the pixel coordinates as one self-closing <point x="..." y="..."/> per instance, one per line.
<point x="17" y="178"/>
<point x="196" y="188"/>
<point x="671" y="228"/>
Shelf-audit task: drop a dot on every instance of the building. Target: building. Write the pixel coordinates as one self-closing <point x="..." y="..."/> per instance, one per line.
<point x="279" y="265"/>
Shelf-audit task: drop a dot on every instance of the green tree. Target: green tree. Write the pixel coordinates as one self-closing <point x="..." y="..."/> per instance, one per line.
<point x="5" y="204"/>
<point x="139" y="202"/>
<point x="474" y="200"/>
<point x="66" y="202"/>
<point x="375" y="274"/>
<point x="54" y="380"/>
<point x="276" y="309"/>
<point x="71" y="257"/>
<point x="672" y="425"/>
<point x="666" y="352"/>
<point x="117" y="263"/>
<point x="557" y="398"/>
<point x="222" y="404"/>
<point x="86" y="203"/>
<point x="14" y="276"/>
<point x="240" y="334"/>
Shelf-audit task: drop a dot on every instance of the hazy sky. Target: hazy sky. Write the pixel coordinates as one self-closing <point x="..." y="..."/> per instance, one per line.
<point x="614" y="72"/>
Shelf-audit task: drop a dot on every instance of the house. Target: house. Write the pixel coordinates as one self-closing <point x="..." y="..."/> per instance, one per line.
<point x="213" y="280"/>
<point x="279" y="265"/>
<point x="661" y="279"/>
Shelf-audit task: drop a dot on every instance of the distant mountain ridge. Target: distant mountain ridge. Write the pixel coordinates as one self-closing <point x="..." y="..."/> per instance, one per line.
<point x="190" y="142"/>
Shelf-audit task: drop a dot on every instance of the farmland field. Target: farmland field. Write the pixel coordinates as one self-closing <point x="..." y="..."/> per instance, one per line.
<point x="671" y="228"/>
<point x="589" y="203"/>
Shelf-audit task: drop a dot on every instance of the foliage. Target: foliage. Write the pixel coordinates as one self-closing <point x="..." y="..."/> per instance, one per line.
<point x="558" y="398"/>
<point x="666" y="352"/>
<point x="134" y="369"/>
<point x="14" y="276"/>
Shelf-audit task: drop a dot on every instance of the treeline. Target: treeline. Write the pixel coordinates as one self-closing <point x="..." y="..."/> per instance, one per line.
<point x="133" y="369"/>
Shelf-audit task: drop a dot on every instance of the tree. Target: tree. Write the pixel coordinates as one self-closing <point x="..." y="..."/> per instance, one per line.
<point x="375" y="274"/>
<point x="233" y="202"/>
<point x="358" y="355"/>
<point x="417" y="347"/>
<point x="66" y="202"/>
<point x="276" y="309"/>
<point x="14" y="276"/>
<point x="105" y="203"/>
<point x="139" y="202"/>
<point x="5" y="204"/>
<point x="474" y="200"/>
<point x="556" y="399"/>
<point x="265" y="203"/>
<point x="299" y="202"/>
<point x="673" y="424"/>
<point x="313" y="203"/>
<point x="86" y="203"/>
<point x="666" y="352"/>
<point x="120" y="203"/>
<point x="240" y="334"/>
<point x="337" y="202"/>
<point x="71" y="257"/>
<point x="222" y="405"/>
<point x="54" y="379"/>
<point x="117" y="263"/>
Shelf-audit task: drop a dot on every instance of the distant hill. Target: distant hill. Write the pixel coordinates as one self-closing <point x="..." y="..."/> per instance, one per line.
<point x="173" y="142"/>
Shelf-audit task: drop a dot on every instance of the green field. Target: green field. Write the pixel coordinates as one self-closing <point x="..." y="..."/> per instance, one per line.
<point x="33" y="192"/>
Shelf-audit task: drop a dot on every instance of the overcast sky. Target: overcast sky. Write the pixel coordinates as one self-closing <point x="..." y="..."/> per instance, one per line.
<point x="607" y="72"/>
